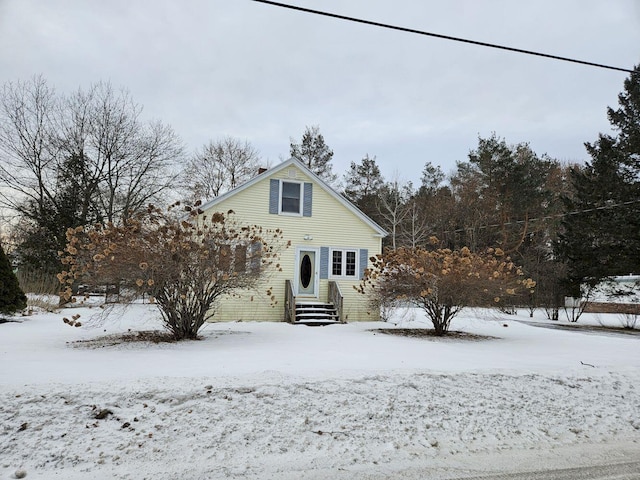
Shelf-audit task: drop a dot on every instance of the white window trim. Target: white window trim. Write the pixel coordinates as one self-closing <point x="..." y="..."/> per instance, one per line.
<point x="343" y="275"/>
<point x="293" y="214"/>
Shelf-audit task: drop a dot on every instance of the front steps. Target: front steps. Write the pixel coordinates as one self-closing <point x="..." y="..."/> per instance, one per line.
<point x="316" y="313"/>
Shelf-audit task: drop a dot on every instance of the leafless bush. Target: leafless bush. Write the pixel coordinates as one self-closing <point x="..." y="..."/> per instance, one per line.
<point x="48" y="303"/>
<point x="629" y="320"/>
<point x="442" y="282"/>
<point x="184" y="264"/>
<point x="37" y="282"/>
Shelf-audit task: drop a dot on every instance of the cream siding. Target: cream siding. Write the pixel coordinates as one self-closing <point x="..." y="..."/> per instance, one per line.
<point x="330" y="225"/>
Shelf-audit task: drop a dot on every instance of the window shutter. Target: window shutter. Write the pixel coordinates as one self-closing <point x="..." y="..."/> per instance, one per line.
<point x="324" y="262"/>
<point x="308" y="198"/>
<point x="274" y="194"/>
<point x="364" y="258"/>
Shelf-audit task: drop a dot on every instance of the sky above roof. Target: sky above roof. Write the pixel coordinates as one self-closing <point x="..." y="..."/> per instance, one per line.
<point x="214" y="68"/>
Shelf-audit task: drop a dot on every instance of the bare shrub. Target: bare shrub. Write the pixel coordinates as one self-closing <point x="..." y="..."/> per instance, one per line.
<point x="575" y="307"/>
<point x="37" y="281"/>
<point x="629" y="320"/>
<point x="48" y="303"/>
<point x="184" y="264"/>
<point x="442" y="281"/>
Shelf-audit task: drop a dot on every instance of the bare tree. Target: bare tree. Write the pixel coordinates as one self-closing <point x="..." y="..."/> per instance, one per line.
<point x="28" y="155"/>
<point x="415" y="228"/>
<point x="149" y="172"/>
<point x="127" y="162"/>
<point x="391" y="206"/>
<point x="73" y="160"/>
<point x="220" y="166"/>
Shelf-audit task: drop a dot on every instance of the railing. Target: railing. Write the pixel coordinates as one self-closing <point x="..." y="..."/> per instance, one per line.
<point x="335" y="297"/>
<point x="289" y="302"/>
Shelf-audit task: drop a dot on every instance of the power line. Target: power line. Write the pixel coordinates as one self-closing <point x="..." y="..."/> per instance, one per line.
<point x="548" y="217"/>
<point x="444" y="37"/>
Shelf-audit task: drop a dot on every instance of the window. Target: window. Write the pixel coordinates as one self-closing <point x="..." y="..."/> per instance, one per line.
<point x="350" y="263"/>
<point x="291" y="197"/>
<point x="240" y="259"/>
<point x="224" y="258"/>
<point x="344" y="263"/>
<point x="336" y="263"/>
<point x="255" y="257"/>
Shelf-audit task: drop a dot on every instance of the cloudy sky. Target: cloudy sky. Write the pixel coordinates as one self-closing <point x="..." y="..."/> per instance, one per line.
<point x="212" y="68"/>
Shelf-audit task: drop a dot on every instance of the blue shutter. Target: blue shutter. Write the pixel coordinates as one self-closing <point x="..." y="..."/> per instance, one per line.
<point x="274" y="194"/>
<point x="308" y="198"/>
<point x="324" y="262"/>
<point x="364" y="258"/>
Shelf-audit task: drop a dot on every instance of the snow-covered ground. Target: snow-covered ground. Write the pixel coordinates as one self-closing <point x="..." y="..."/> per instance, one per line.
<point x="272" y="400"/>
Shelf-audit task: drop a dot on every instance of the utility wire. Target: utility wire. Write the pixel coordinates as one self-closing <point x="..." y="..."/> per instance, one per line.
<point x="444" y="37"/>
<point x="548" y="217"/>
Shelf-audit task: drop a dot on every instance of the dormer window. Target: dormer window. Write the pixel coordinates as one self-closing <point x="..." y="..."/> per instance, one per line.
<point x="291" y="197"/>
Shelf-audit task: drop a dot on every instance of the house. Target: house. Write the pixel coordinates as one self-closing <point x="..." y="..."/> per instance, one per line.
<point x="331" y="242"/>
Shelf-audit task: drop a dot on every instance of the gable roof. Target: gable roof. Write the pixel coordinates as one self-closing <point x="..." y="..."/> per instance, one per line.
<point x="321" y="183"/>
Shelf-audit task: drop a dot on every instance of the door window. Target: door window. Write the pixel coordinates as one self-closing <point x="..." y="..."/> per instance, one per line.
<point x="305" y="271"/>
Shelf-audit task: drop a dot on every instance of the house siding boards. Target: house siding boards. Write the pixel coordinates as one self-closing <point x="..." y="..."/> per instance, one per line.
<point x="331" y="224"/>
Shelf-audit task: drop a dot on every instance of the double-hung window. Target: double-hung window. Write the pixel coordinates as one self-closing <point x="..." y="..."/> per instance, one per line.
<point x="344" y="263"/>
<point x="291" y="197"/>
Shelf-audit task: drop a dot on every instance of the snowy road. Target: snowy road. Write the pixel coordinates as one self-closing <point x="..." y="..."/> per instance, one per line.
<point x="624" y="471"/>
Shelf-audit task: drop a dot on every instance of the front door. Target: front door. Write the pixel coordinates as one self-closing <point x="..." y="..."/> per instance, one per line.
<point x="307" y="272"/>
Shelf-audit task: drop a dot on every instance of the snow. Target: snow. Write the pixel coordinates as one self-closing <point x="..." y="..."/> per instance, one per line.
<point x="622" y="289"/>
<point x="273" y="400"/>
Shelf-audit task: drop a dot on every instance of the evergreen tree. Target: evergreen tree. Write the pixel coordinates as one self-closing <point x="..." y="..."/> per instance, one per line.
<point x="432" y="178"/>
<point x="504" y="186"/>
<point x="72" y="205"/>
<point x="363" y="183"/>
<point x="12" y="298"/>
<point x="314" y="154"/>
<point x="601" y="231"/>
<point x="626" y="121"/>
<point x="430" y="209"/>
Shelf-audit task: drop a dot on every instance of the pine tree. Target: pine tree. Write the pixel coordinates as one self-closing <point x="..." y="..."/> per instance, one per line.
<point x="363" y="183"/>
<point x="314" y="154"/>
<point x="601" y="230"/>
<point x="71" y="205"/>
<point x="431" y="180"/>
<point x="504" y="185"/>
<point x="626" y="121"/>
<point x="12" y="298"/>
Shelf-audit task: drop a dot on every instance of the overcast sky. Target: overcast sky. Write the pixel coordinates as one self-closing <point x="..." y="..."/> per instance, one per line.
<point x="211" y="68"/>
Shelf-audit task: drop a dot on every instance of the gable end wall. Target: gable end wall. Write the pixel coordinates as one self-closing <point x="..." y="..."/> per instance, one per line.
<point x="330" y="225"/>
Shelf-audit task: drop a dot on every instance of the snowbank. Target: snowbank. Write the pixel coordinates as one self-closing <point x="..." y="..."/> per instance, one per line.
<point x="270" y="400"/>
